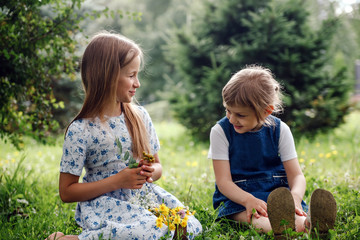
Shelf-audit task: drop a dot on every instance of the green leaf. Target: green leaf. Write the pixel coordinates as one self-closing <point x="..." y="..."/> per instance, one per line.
<point x="126" y="157"/>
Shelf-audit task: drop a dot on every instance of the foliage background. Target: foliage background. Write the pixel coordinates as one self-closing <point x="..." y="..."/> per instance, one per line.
<point x="29" y="200"/>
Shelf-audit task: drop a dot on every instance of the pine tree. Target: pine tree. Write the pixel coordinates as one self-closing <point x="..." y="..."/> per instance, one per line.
<point x="228" y="35"/>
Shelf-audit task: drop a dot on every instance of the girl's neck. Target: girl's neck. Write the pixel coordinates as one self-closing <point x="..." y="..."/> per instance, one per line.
<point x="114" y="110"/>
<point x="257" y="127"/>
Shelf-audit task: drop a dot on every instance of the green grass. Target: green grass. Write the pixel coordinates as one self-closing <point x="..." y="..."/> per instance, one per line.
<point x="31" y="207"/>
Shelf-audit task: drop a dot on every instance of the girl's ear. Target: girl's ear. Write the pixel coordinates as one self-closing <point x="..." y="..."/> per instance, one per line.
<point x="269" y="110"/>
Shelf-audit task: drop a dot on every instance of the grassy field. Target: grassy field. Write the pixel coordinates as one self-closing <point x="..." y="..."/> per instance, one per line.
<point x="31" y="208"/>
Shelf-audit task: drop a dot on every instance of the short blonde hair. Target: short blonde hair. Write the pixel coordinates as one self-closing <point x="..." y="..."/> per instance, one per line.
<point x="254" y="87"/>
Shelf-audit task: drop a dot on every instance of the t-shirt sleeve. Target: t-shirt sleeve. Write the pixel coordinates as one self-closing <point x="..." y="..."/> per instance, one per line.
<point x="153" y="138"/>
<point x="287" y="149"/>
<point x="74" y="149"/>
<point x="219" y="145"/>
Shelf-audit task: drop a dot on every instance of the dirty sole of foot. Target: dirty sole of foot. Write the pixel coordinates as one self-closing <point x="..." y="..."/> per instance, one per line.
<point x="281" y="211"/>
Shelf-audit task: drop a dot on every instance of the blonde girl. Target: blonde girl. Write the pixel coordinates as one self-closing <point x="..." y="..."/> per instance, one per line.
<point x="253" y="154"/>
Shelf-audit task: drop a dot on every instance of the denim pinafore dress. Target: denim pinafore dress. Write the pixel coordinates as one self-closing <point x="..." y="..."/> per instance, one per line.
<point x="255" y="164"/>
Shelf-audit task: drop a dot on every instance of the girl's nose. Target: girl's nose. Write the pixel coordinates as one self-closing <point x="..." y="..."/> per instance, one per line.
<point x="137" y="83"/>
<point x="232" y="119"/>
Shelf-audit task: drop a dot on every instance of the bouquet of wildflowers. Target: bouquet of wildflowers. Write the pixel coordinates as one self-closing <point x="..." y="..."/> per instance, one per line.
<point x="171" y="217"/>
<point x="132" y="162"/>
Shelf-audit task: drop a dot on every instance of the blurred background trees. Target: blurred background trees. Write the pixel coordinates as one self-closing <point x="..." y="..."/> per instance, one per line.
<point x="230" y="34"/>
<point x="192" y="48"/>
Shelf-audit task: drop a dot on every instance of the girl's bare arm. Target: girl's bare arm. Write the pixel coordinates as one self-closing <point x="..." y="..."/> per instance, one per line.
<point x="72" y="191"/>
<point x="234" y="193"/>
<point x="297" y="182"/>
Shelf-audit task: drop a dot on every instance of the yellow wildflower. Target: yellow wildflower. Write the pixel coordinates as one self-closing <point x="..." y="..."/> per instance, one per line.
<point x="172" y="227"/>
<point x="159" y="222"/>
<point x="164" y="209"/>
<point x="321" y="155"/>
<point x="328" y="155"/>
<point x="177" y="219"/>
<point x="183" y="223"/>
<point x="301" y="160"/>
<point x="312" y="160"/>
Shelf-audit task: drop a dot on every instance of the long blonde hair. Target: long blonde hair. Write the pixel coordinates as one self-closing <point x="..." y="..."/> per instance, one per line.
<point x="103" y="59"/>
<point x="254" y="87"/>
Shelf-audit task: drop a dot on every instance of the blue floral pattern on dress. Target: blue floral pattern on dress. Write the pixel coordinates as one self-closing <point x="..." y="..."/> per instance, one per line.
<point x="90" y="144"/>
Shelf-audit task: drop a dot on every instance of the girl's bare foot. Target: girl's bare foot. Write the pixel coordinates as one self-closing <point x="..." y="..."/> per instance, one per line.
<point x="55" y="235"/>
<point x="61" y="236"/>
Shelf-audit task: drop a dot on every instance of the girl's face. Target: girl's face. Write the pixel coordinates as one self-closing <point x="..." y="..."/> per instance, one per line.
<point x="242" y="118"/>
<point x="128" y="81"/>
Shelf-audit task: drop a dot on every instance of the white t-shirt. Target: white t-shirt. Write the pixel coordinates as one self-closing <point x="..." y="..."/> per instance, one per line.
<point x="219" y="145"/>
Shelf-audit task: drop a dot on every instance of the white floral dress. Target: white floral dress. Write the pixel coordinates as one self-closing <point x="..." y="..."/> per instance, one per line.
<point x="91" y="145"/>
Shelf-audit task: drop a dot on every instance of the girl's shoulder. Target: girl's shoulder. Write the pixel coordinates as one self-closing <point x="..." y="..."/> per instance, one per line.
<point x="142" y="110"/>
<point x="80" y="127"/>
<point x="144" y="114"/>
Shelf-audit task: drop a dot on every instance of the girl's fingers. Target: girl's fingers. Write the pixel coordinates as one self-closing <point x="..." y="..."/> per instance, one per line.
<point x="300" y="212"/>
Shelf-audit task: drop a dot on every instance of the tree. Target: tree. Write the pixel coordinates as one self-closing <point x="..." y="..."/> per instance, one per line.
<point x="37" y="48"/>
<point x="230" y="34"/>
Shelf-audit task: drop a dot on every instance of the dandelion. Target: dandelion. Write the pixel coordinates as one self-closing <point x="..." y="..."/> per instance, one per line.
<point x="188" y="164"/>
<point x="317" y="144"/>
<point x="13" y="160"/>
<point x="301" y="160"/>
<point x="172" y="227"/>
<point x="177" y="219"/>
<point x="321" y="155"/>
<point x="312" y="160"/>
<point x="164" y="209"/>
<point x="183" y="223"/>
<point x="334" y="152"/>
<point x="328" y="155"/>
<point x="303" y="153"/>
<point x="204" y="152"/>
<point x="159" y="222"/>
<point x="194" y="164"/>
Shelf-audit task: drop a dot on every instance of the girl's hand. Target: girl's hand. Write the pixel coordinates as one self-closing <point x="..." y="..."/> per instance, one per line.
<point x="146" y="170"/>
<point x="130" y="178"/>
<point x="298" y="207"/>
<point x="255" y="206"/>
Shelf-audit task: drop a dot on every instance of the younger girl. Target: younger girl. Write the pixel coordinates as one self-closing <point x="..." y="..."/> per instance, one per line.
<point x="253" y="153"/>
<point x="106" y="206"/>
